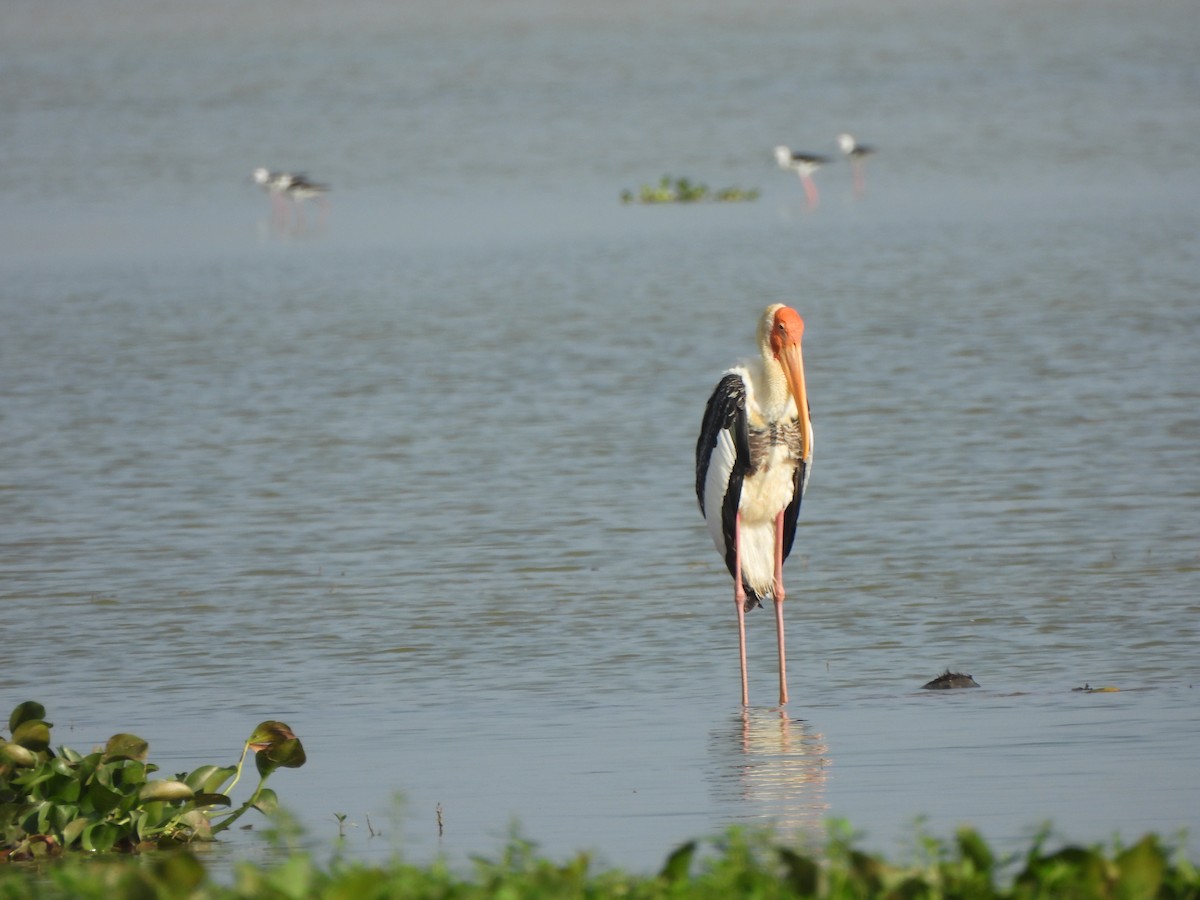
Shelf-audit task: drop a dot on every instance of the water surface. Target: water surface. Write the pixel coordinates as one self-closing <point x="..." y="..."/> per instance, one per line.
<point x="418" y="479"/>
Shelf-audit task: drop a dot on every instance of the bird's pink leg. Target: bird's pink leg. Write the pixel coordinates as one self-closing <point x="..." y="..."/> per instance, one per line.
<point x="810" y="191"/>
<point x="779" y="598"/>
<point x="739" y="600"/>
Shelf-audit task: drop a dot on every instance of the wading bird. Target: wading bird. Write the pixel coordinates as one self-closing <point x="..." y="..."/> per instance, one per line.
<point x="276" y="185"/>
<point x="857" y="154"/>
<point x="803" y="164"/>
<point x="293" y="188"/>
<point x="752" y="463"/>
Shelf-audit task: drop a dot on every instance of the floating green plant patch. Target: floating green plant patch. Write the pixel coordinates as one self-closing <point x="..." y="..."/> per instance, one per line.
<point x="107" y="799"/>
<point x="684" y="190"/>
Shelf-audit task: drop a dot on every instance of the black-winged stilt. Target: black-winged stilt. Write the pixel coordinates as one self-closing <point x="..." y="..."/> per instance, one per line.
<point x="803" y="164"/>
<point x="857" y="154"/>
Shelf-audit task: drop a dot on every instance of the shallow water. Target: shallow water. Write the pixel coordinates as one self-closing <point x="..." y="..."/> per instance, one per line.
<point x="417" y="479"/>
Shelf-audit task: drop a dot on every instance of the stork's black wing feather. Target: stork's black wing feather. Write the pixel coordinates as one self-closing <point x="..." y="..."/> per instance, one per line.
<point x="724" y="441"/>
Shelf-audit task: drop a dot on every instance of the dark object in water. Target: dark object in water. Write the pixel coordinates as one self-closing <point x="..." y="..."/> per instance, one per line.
<point x="949" y="680"/>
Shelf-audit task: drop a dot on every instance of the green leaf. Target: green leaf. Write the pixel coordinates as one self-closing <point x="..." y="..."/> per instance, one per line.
<point x="267" y="733"/>
<point x="266" y="802"/>
<point x="675" y="870"/>
<point x="66" y="790"/>
<point x="867" y="868"/>
<point x="169" y="791"/>
<point x="126" y="746"/>
<point x="975" y="849"/>
<point x="288" y="754"/>
<point x="62" y="814"/>
<point x="99" y="837"/>
<point x="802" y="872"/>
<point x="1141" y="868"/>
<point x="72" y="830"/>
<point x="212" y="800"/>
<point x="16" y="755"/>
<point x="31" y="778"/>
<point x="209" y="779"/>
<point x="193" y="825"/>
<point x="25" y="712"/>
<point x="32" y="734"/>
<point x="101" y="799"/>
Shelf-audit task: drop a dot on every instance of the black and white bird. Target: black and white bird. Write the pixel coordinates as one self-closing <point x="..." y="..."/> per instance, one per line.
<point x="276" y="185"/>
<point x="857" y="154"/>
<point x="803" y="164"/>
<point x="300" y="189"/>
<point x="289" y="187"/>
<point x="753" y="459"/>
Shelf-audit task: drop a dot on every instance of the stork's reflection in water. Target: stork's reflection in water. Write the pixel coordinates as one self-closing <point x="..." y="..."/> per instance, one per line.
<point x="771" y="770"/>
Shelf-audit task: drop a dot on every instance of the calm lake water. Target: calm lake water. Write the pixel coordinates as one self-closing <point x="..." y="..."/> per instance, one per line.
<point x="416" y="478"/>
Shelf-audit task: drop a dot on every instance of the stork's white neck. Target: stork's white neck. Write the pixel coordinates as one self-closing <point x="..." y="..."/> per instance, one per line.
<point x="772" y="399"/>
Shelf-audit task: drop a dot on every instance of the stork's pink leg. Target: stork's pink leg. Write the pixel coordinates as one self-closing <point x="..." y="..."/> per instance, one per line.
<point x="779" y="598"/>
<point x="739" y="600"/>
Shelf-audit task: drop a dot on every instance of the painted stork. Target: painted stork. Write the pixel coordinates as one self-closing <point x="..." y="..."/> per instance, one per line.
<point x="803" y="164"/>
<point x="752" y="462"/>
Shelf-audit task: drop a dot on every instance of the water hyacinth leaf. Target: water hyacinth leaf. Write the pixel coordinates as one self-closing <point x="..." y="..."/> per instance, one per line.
<point x="37" y="818"/>
<point x="803" y="872"/>
<point x="1142" y="868"/>
<point x="868" y="869"/>
<point x="32" y="734"/>
<point x="275" y="745"/>
<point x="67" y="791"/>
<point x="33" y="777"/>
<point x="62" y="814"/>
<point x="1085" y="868"/>
<point x="212" y="800"/>
<point x="126" y="746"/>
<point x="101" y="799"/>
<point x="679" y="863"/>
<point x="169" y="791"/>
<point x="208" y="779"/>
<point x="125" y="775"/>
<point x="267" y="733"/>
<point x="28" y="711"/>
<point x="975" y="849"/>
<point x="72" y="830"/>
<point x="99" y="837"/>
<point x="197" y="825"/>
<point x="287" y="754"/>
<point x="266" y="802"/>
<point x="16" y="755"/>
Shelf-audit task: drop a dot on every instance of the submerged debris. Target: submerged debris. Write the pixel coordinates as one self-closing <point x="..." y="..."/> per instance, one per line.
<point x="949" y="680"/>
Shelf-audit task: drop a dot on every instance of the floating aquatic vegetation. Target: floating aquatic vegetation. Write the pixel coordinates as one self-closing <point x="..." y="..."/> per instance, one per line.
<point x="684" y="190"/>
<point x="106" y="800"/>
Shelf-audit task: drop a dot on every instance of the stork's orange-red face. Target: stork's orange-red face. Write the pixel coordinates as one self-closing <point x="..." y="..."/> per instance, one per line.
<point x="786" y="332"/>
<point x="788" y="329"/>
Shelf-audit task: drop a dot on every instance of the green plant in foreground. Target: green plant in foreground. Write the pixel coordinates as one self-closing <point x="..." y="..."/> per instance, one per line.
<point x="106" y="799"/>
<point x="741" y="864"/>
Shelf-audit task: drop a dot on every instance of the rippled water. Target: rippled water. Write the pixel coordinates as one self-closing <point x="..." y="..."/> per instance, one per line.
<point x="418" y="479"/>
